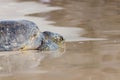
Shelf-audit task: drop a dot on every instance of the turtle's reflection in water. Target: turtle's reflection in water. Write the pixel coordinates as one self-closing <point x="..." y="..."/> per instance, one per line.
<point x="21" y="61"/>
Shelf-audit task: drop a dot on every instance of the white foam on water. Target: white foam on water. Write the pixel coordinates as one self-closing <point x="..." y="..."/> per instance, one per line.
<point x="14" y="10"/>
<point x="69" y="33"/>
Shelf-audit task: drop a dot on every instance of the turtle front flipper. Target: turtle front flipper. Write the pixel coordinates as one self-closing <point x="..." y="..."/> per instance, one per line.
<point x="48" y="45"/>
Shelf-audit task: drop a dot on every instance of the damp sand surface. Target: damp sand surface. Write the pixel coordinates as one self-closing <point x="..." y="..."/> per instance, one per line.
<point x="90" y="28"/>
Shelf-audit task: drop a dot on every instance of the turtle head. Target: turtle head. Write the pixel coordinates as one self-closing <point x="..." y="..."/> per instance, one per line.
<point x="54" y="37"/>
<point x="53" y="41"/>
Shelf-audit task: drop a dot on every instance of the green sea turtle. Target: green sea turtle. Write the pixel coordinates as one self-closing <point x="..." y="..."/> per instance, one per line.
<point x="25" y="35"/>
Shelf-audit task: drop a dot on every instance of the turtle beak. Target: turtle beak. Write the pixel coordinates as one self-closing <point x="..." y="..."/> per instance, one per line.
<point x="60" y="41"/>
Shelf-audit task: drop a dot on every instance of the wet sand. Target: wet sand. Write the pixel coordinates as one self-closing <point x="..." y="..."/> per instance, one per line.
<point x="91" y="29"/>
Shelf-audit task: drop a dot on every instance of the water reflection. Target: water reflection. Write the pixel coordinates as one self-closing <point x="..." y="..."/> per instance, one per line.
<point x="93" y="25"/>
<point x="24" y="61"/>
<point x="16" y="60"/>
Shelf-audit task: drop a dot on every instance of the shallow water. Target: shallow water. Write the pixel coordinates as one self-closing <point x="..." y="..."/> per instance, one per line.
<point x="91" y="29"/>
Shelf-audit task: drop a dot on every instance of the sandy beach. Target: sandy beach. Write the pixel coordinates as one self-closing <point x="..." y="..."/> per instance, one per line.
<point x="92" y="36"/>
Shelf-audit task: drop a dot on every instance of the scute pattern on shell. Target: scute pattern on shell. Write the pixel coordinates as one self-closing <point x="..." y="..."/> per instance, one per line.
<point x="15" y="34"/>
